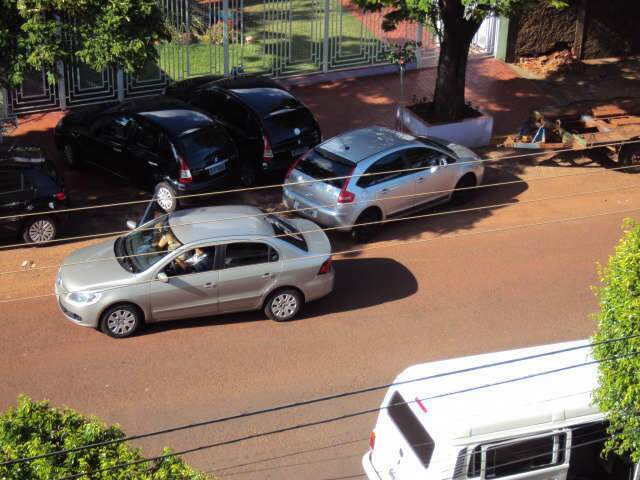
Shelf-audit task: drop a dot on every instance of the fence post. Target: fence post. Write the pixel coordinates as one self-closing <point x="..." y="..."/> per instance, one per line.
<point x="225" y="35"/>
<point x="325" y="39"/>
<point x="62" y="89"/>
<point x="120" y="83"/>
<point x="4" y="102"/>
<point x="419" y="35"/>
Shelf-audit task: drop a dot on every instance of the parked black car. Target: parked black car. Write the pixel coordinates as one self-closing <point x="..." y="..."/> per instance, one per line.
<point x="31" y="186"/>
<point x="270" y="126"/>
<point x="162" y="144"/>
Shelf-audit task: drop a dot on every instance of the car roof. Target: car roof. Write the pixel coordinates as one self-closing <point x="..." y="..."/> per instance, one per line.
<point x="358" y="145"/>
<point x="215" y="223"/>
<point x="476" y="410"/>
<point x="244" y="82"/>
<point x="178" y="121"/>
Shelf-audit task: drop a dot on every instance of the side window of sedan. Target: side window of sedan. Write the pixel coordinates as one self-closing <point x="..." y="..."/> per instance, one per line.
<point x="112" y="127"/>
<point x="242" y="254"/>
<point x="145" y="136"/>
<point x="422" y="158"/>
<point x="197" y="260"/>
<point x="383" y="170"/>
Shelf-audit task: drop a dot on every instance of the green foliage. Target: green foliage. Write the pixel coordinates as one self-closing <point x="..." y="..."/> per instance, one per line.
<point x="34" y="428"/>
<point x="101" y="33"/>
<point x="618" y="393"/>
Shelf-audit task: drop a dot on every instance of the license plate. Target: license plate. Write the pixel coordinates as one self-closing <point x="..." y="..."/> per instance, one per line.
<point x="299" y="151"/>
<point x="216" y="168"/>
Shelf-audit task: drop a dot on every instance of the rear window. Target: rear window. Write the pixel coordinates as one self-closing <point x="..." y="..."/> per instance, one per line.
<point x="318" y="166"/>
<point x="280" y="125"/>
<point x="412" y="430"/>
<point x="287" y="232"/>
<point x="199" y="144"/>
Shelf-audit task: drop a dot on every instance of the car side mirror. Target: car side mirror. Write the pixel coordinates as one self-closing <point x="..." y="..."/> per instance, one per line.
<point x="163" y="277"/>
<point x="442" y="161"/>
<point x="131" y="225"/>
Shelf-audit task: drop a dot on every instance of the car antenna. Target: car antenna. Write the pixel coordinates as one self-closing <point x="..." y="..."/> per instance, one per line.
<point x="344" y="145"/>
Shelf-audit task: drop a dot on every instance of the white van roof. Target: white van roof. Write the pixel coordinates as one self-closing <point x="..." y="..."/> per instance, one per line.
<point x="550" y="398"/>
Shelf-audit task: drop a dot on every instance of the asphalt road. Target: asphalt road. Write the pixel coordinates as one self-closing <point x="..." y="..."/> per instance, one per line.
<point x="456" y="287"/>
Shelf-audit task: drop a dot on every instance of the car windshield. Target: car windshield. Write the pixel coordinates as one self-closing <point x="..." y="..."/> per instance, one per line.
<point x="198" y="145"/>
<point x="146" y="245"/>
<point x="287" y="232"/>
<point x="320" y="166"/>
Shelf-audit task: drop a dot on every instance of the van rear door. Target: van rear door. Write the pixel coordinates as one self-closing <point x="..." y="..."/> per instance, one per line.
<point x="403" y="448"/>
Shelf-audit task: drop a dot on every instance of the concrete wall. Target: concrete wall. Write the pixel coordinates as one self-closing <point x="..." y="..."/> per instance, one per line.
<point x="611" y="28"/>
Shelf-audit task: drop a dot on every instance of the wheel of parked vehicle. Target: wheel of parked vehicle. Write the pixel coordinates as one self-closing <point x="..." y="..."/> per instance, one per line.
<point x="71" y="155"/>
<point x="39" y="229"/>
<point x="283" y="305"/>
<point x="121" y="321"/>
<point x="364" y="233"/>
<point x="630" y="155"/>
<point x="166" y="197"/>
<point x="463" y="191"/>
<point x="248" y="175"/>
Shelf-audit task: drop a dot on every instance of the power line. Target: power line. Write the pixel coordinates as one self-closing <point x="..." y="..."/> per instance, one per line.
<point x="321" y="399"/>
<point x="326" y="229"/>
<point x="340" y="417"/>
<point x="377" y="247"/>
<point x="306" y="182"/>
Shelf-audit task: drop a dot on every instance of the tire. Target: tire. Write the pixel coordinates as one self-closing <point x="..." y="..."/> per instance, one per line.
<point x="463" y="192"/>
<point x="283" y="305"/>
<point x="364" y="233"/>
<point x="70" y="154"/>
<point x="121" y="321"/>
<point x="166" y="197"/>
<point x="628" y="156"/>
<point x="39" y="230"/>
<point x="248" y="175"/>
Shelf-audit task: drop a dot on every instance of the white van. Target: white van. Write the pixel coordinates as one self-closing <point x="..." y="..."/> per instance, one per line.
<point x="543" y="427"/>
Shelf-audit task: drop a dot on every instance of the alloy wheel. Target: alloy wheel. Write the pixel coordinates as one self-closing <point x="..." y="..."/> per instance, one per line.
<point x="41" y="231"/>
<point x="284" y="305"/>
<point x="121" y="322"/>
<point x="165" y="199"/>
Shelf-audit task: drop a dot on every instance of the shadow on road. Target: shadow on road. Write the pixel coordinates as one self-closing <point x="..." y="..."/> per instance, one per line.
<point x="360" y="283"/>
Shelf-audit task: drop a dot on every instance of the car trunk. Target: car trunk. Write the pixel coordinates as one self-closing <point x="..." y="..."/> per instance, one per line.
<point x="207" y="151"/>
<point x="402" y="445"/>
<point x="318" y="178"/>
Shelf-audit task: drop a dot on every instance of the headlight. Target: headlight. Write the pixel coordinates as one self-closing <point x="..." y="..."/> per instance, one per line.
<point x="84" y="298"/>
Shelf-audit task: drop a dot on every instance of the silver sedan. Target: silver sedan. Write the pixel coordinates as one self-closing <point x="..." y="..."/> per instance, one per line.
<point x="370" y="174"/>
<point x="195" y="263"/>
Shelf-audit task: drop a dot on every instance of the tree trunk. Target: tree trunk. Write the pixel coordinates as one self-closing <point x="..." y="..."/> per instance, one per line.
<point x="449" y="98"/>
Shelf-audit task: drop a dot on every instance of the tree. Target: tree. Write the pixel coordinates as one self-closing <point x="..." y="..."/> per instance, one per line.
<point x="455" y="23"/>
<point x="618" y="392"/>
<point x="101" y="33"/>
<point x="35" y="428"/>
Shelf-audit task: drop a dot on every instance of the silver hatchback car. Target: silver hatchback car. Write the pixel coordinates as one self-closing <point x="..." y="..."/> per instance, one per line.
<point x="372" y="173"/>
<point x="195" y="263"/>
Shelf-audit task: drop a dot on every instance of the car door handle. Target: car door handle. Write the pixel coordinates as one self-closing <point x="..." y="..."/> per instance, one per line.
<point x="266" y="275"/>
<point x="420" y="180"/>
<point x="117" y="149"/>
<point x="209" y="285"/>
<point x="153" y="164"/>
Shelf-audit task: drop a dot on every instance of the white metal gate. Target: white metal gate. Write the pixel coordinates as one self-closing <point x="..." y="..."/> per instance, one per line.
<point x="486" y="38"/>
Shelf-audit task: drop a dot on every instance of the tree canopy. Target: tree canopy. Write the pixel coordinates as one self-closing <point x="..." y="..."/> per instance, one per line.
<point x="618" y="393"/>
<point x="101" y="33"/>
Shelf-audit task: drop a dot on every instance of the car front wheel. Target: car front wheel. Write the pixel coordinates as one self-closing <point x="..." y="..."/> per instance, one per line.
<point x="39" y="230"/>
<point x="283" y="305"/>
<point x="121" y="321"/>
<point x="166" y="197"/>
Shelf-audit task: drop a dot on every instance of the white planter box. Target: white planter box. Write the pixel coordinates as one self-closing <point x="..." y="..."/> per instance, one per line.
<point x="470" y="132"/>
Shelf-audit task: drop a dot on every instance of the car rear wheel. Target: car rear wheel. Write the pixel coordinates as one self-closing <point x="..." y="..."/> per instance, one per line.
<point x="39" y="230"/>
<point x="121" y="321"/>
<point x="166" y="197"/>
<point x="630" y="156"/>
<point x="365" y="228"/>
<point x="71" y="155"/>
<point x="283" y="305"/>
<point x="464" y="190"/>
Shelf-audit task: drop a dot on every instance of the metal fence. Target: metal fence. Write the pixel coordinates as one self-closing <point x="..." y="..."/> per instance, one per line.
<point x="278" y="38"/>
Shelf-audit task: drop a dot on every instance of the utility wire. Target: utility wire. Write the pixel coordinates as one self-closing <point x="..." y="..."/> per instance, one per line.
<point x="316" y="400"/>
<point x="515" y="202"/>
<point x="316" y="180"/>
<point x="341" y="417"/>
<point x="377" y="247"/>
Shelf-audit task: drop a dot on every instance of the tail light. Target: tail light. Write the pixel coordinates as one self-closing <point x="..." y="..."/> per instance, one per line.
<point x="344" y="196"/>
<point x="60" y="196"/>
<point x="372" y="440"/>
<point x="326" y="266"/>
<point x="293" y="166"/>
<point x="185" y="173"/>
<point x="267" y="155"/>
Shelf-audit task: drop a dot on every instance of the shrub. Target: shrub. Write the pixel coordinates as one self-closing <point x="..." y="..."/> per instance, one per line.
<point x="618" y="393"/>
<point x="34" y="428"/>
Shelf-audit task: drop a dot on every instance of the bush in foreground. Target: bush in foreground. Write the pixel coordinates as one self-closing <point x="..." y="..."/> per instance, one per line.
<point x="34" y="428"/>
